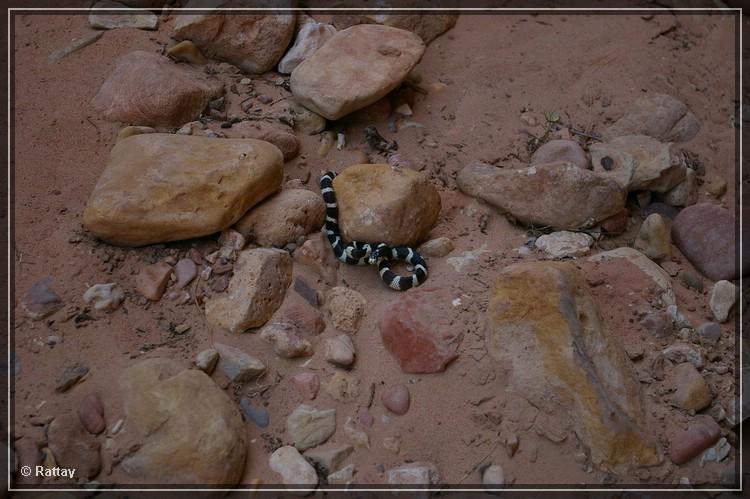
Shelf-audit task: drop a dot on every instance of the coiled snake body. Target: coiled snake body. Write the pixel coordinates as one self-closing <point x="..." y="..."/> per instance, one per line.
<point x="359" y="253"/>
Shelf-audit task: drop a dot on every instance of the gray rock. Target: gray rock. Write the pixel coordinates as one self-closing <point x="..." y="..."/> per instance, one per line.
<point x="104" y="296"/>
<point x="722" y="299"/>
<point x="692" y="391"/>
<point x="41" y="300"/>
<point x="657" y="115"/>
<point x="561" y="150"/>
<point x="653" y="238"/>
<point x="237" y="365"/>
<point x="493" y="477"/>
<point x="307" y="426"/>
<point x="257" y="415"/>
<point x="294" y="470"/>
<point x="418" y="473"/>
<point x="70" y="376"/>
<point x="685" y="193"/>
<point x="564" y="244"/>
<point x="680" y="353"/>
<point x="709" y="333"/>
<point x="329" y="457"/>
<point x="206" y="360"/>
<point x="185" y="271"/>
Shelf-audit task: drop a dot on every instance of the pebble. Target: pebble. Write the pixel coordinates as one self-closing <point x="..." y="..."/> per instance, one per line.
<point x="104" y="296"/>
<point x="359" y="438"/>
<point x="307" y="426"/>
<point x="721" y="300"/>
<point x="659" y="324"/>
<point x="342" y="476"/>
<point x="286" y="340"/>
<point x="692" y="391"/>
<point x="307" y="384"/>
<point x="307" y="319"/>
<point x="437" y="248"/>
<point x="692" y="280"/>
<point x="237" y="365"/>
<point x="339" y="351"/>
<point x="616" y="224"/>
<point x="329" y="457"/>
<point x="293" y="468"/>
<point x="70" y="376"/>
<point x="493" y="477"/>
<point x="347" y="307"/>
<point x="77" y="44"/>
<point x="41" y="300"/>
<point x="91" y="414"/>
<point x="684" y="353"/>
<point x="653" y="238"/>
<point x="257" y="415"/>
<point x="564" y="244"/>
<point x="689" y="443"/>
<point x="185" y="271"/>
<point x="152" y="280"/>
<point x="206" y="360"/>
<point x="343" y="387"/>
<point x="186" y="51"/>
<point x="709" y="333"/>
<point x="418" y="473"/>
<point x="392" y="444"/>
<point x="717" y="453"/>
<point x="396" y="399"/>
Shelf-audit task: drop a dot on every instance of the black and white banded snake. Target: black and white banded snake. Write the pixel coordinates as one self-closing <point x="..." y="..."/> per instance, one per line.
<point x="360" y="253"/>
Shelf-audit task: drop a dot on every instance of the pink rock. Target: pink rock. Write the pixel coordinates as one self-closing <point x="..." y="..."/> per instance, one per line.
<point x="699" y="436"/>
<point x="307" y="384"/>
<point x="152" y="280"/>
<point x="365" y="418"/>
<point x="286" y="340"/>
<point x="396" y="399"/>
<point x="413" y="332"/>
<point x="185" y="271"/>
<point x="308" y="319"/>
<point x="196" y="256"/>
<point x="91" y="414"/>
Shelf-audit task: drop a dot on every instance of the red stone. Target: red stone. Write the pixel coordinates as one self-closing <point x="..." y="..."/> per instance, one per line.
<point x="616" y="224"/>
<point x="307" y="384"/>
<point x="699" y="436"/>
<point x="91" y="414"/>
<point x="413" y="332"/>
<point x="306" y="318"/>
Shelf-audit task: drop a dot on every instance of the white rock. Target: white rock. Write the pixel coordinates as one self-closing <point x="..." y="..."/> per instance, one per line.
<point x="493" y="477"/>
<point x="414" y="474"/>
<point x="340" y="350"/>
<point x="104" y="296"/>
<point x="564" y="244"/>
<point x="344" y="475"/>
<point x="293" y="468"/>
<point x="206" y="360"/>
<point x="310" y="38"/>
<point x="722" y="299"/>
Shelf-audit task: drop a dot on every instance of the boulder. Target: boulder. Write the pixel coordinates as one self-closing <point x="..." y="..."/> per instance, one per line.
<point x="283" y="218"/>
<point x="148" y="89"/>
<point x="164" y="187"/>
<point x="638" y="162"/>
<point x="185" y="428"/>
<point x="379" y="203"/>
<point x="660" y="116"/>
<point x="705" y="234"/>
<point x="542" y="314"/>
<point x="254" y="42"/>
<point x="355" y="68"/>
<point x="559" y="195"/>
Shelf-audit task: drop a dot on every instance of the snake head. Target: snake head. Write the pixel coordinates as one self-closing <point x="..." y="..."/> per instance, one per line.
<point x="378" y="253"/>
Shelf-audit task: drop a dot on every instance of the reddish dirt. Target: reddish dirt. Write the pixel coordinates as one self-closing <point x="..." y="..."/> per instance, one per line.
<point x="480" y="77"/>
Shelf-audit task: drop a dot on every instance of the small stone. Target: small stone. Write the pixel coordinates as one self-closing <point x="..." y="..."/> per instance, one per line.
<point x="257" y="415"/>
<point x="715" y="186"/>
<point x="237" y="365"/>
<point x="308" y="293"/>
<point x="564" y="244"/>
<point x="692" y="280"/>
<point x="392" y="444"/>
<point x="616" y="224"/>
<point x="721" y="300"/>
<point x="346" y="307"/>
<point x="307" y="383"/>
<point x="307" y="426"/>
<point x="709" y="333"/>
<point x="293" y="468"/>
<point x="40" y="300"/>
<point x="232" y="239"/>
<point x="70" y="376"/>
<point x="329" y="457"/>
<point x="206" y="360"/>
<point x="152" y="280"/>
<point x="418" y="473"/>
<point x="653" y="238"/>
<point x="182" y="328"/>
<point x="493" y="477"/>
<point x="342" y="476"/>
<point x="340" y="350"/>
<point x="186" y="51"/>
<point x="104" y="296"/>
<point x="437" y="248"/>
<point x="77" y="44"/>
<point x="307" y="319"/>
<point x="396" y="399"/>
<point x="359" y="438"/>
<point x="185" y="271"/>
<point x="685" y="193"/>
<point x="659" y="324"/>
<point x="692" y="391"/>
<point x="684" y="353"/>
<point x="689" y="443"/>
<point x="91" y="414"/>
<point x="717" y="453"/>
<point x="286" y="340"/>
<point x="343" y="387"/>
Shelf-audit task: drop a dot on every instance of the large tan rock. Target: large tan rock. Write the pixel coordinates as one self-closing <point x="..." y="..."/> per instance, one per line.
<point x="355" y="68"/>
<point x="253" y="42"/>
<point x="638" y="162"/>
<point x="188" y="429"/>
<point x="379" y="203"/>
<point x="544" y="326"/>
<point x="559" y="195"/>
<point x="163" y="187"/>
<point x="257" y="289"/>
<point x="148" y="89"/>
<point x="283" y="218"/>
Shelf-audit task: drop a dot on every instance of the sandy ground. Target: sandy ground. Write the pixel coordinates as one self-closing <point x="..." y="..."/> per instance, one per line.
<point x="480" y="76"/>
